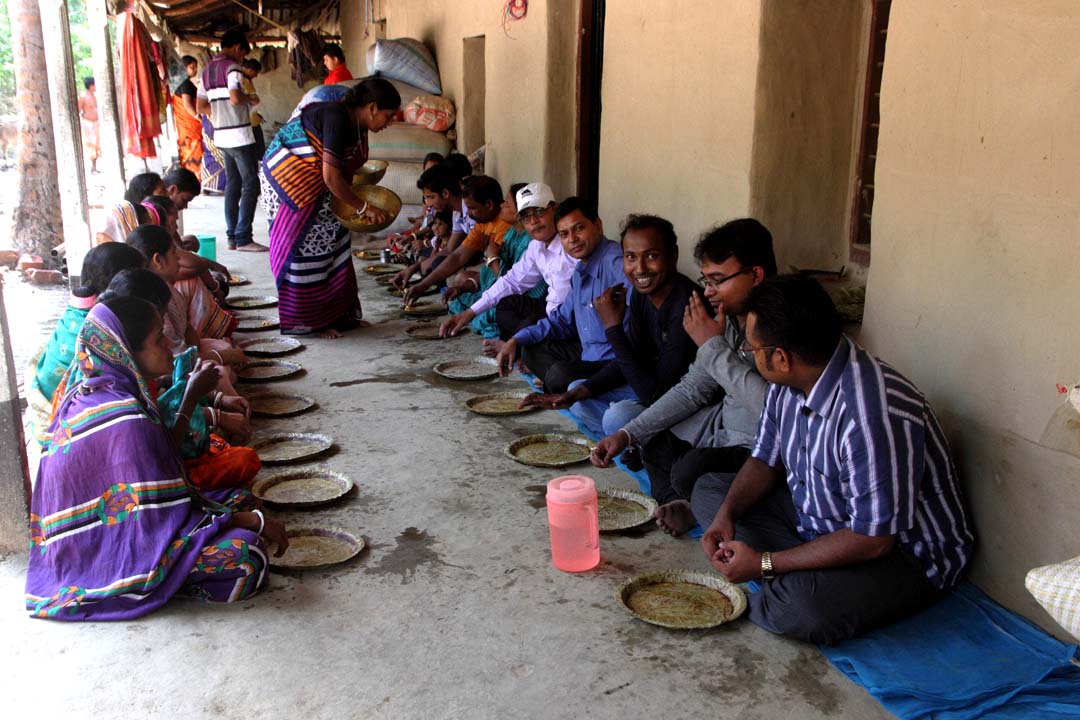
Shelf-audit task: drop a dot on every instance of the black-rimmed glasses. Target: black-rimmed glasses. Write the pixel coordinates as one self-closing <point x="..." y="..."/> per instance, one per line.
<point x="715" y="284"/>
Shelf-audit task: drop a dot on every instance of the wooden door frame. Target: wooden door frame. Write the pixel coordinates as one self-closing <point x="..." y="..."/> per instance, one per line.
<point x="589" y="73"/>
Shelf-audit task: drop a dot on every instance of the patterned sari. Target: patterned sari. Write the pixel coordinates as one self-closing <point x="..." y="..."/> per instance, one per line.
<point x="213" y="162"/>
<point x="309" y="248"/>
<point x="115" y="528"/>
<point x="122" y="219"/>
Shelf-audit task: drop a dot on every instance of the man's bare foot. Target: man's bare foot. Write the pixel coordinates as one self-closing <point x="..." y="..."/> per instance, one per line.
<point x="675" y="517"/>
<point x="330" y="334"/>
<point x="492" y="347"/>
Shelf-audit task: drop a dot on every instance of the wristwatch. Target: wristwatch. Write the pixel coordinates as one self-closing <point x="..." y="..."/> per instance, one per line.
<point x="766" y="566"/>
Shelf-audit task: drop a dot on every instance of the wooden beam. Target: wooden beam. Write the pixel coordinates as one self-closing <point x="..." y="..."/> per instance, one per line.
<point x="67" y="133"/>
<point x="194" y="8"/>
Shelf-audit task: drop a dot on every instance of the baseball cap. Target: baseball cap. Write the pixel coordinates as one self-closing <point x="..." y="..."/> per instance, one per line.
<point x="534" y="195"/>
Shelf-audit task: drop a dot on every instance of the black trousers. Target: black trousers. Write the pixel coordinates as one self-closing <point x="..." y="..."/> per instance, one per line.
<point x="818" y="606"/>
<point x="675" y="465"/>
<point x="517" y="312"/>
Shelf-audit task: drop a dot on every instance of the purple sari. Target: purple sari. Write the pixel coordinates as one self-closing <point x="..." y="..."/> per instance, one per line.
<point x="115" y="529"/>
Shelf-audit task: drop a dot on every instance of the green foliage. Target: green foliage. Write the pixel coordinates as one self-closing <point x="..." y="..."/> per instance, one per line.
<point x="80" y="50"/>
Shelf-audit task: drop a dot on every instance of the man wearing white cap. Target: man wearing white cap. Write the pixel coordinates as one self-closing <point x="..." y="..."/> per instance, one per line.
<point x="544" y="260"/>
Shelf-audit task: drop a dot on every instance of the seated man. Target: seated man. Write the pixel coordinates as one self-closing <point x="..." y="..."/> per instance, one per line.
<point x="849" y="507"/>
<point x="708" y="420"/>
<point x="483" y="196"/>
<point x="656" y="351"/>
<point x="544" y="260"/>
<point x="441" y="191"/>
<point x="570" y="343"/>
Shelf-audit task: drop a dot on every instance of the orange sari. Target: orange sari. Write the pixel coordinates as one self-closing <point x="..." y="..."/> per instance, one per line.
<point x="188" y="136"/>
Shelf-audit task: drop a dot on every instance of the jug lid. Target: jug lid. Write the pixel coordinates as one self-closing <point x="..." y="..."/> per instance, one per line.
<point x="571" y="489"/>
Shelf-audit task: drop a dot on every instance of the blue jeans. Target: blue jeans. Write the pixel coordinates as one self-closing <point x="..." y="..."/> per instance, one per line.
<point x="606" y="413"/>
<point x="241" y="192"/>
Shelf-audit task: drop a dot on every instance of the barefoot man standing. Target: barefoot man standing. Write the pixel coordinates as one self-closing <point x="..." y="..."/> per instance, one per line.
<point x="88" y="120"/>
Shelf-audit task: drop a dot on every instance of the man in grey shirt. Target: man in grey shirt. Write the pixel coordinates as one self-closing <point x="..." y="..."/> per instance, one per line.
<point x="708" y="421"/>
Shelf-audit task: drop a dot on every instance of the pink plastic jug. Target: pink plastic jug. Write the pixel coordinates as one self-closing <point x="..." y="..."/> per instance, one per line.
<point x="574" y="523"/>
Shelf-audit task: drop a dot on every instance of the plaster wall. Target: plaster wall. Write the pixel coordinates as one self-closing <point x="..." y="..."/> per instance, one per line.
<point x="972" y="288"/>
<point x="810" y="80"/>
<point x="530" y="103"/>
<point x="677" y="126"/>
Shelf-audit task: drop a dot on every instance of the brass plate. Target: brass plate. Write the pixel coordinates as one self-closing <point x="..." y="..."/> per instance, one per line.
<point x="477" y="368"/>
<point x="681" y="599"/>
<point x="283" y="448"/>
<point x="250" y="302"/>
<point x="317" y="547"/>
<point x="257" y="323"/>
<point x="498" y="404"/>
<point x="269" y="347"/>
<point x="306" y="487"/>
<point x="623" y="509"/>
<point x="550" y="450"/>
<point x="383" y="269"/>
<point x="366" y="254"/>
<point x="425" y="308"/>
<point x="236" y="280"/>
<point x="380" y="197"/>
<point x="279" y="404"/>
<point x="424" y="331"/>
<point x="268" y="370"/>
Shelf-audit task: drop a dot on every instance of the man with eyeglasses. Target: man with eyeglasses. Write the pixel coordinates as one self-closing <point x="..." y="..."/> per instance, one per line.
<point x="544" y="260"/>
<point x="849" y="509"/>
<point x="708" y="420"/>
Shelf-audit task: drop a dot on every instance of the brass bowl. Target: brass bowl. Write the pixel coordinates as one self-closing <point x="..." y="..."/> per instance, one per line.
<point x="374" y="195"/>
<point x="371" y="172"/>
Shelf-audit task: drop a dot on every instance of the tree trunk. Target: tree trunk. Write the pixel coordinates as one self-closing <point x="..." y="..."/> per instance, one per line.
<point x="37" y="221"/>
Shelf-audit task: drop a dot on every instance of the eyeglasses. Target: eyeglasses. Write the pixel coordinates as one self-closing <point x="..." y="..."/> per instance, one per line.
<point x="746" y="347"/>
<point x="715" y="284"/>
<point x="531" y="213"/>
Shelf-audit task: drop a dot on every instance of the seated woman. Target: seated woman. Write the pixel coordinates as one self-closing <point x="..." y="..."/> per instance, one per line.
<point x="115" y="528"/>
<point x="467" y="286"/>
<point x="193" y="267"/>
<point x="99" y="267"/>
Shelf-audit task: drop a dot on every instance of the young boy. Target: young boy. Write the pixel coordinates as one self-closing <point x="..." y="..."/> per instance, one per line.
<point x="250" y="69"/>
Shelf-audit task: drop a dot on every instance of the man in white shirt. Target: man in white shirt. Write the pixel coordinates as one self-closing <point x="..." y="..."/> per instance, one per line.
<point x="544" y="259"/>
<point x="222" y="97"/>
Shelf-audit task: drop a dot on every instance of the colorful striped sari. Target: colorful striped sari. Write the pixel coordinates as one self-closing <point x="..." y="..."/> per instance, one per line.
<point x="115" y="528"/>
<point x="309" y="248"/>
<point x="213" y="162"/>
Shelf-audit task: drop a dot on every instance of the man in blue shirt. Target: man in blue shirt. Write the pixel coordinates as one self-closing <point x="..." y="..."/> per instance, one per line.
<point x="848" y="509"/>
<point x="571" y="342"/>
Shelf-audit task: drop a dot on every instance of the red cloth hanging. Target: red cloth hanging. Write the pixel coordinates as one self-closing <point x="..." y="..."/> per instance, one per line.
<point x="139" y="87"/>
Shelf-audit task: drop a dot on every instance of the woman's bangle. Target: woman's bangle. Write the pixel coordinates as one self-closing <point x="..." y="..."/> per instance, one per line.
<point x="629" y="438"/>
<point x="218" y="355"/>
<point x="490" y="260"/>
<point x="262" y="521"/>
<point x="214" y="417"/>
<point x="183" y="415"/>
<point x="473" y="281"/>
<point x="362" y="210"/>
<point x="217" y="399"/>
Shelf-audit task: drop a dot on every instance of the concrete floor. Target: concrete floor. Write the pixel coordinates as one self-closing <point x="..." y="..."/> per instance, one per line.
<point x="454" y="610"/>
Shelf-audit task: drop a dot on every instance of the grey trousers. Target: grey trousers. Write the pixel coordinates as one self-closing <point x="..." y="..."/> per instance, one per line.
<point x="818" y="606"/>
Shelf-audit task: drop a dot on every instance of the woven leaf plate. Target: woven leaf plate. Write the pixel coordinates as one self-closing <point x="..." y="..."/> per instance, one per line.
<point x="250" y="302"/>
<point x="477" y="368"/>
<point x="257" y="323"/>
<point x="383" y="268"/>
<point x="623" y="509"/>
<point x="313" y="547"/>
<point x="681" y="599"/>
<point x="268" y="370"/>
<point x="550" y="450"/>
<point x="283" y="448"/>
<point x="425" y="308"/>
<point x="235" y="280"/>
<point x="497" y="404"/>
<point x="268" y="347"/>
<point x="304" y="487"/>
<point x="279" y="404"/>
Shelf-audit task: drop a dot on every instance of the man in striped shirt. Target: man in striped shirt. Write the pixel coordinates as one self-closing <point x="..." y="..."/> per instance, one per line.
<point x="222" y="97"/>
<point x="870" y="525"/>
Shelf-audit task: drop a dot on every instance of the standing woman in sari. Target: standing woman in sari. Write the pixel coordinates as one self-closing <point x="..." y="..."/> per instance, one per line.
<point x="314" y="156"/>
<point x="188" y="126"/>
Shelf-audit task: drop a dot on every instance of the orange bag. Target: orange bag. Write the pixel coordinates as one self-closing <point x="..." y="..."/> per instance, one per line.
<point x="432" y="112"/>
